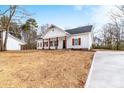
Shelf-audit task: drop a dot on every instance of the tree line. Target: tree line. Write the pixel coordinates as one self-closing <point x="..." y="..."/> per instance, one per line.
<point x="112" y="34"/>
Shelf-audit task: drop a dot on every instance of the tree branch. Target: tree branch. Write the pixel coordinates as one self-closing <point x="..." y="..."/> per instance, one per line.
<point x="5" y="11"/>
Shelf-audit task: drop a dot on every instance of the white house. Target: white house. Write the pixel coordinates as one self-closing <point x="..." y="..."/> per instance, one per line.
<point x="13" y="43"/>
<point x="57" y="38"/>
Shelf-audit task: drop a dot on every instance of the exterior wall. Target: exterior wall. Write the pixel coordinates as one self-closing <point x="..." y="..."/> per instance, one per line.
<point x="38" y="42"/>
<point x="86" y="41"/>
<point x="1" y="41"/>
<point x="54" y="32"/>
<point x="52" y="47"/>
<point x="46" y="47"/>
<point x="90" y="40"/>
<point x="12" y="43"/>
<point x="60" y="43"/>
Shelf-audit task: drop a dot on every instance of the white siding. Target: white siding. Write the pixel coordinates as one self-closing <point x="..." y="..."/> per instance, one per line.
<point x="46" y="47"/>
<point x="85" y="41"/>
<point x="39" y="46"/>
<point x="60" y="43"/>
<point x="52" y="47"/>
<point x="12" y="42"/>
<point x="53" y="33"/>
<point x="90" y="41"/>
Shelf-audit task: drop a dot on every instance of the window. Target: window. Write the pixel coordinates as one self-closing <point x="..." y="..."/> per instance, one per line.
<point x="40" y="44"/>
<point x="55" y="43"/>
<point x="37" y="44"/>
<point x="51" y="43"/>
<point x="76" y="41"/>
<point x="46" y="44"/>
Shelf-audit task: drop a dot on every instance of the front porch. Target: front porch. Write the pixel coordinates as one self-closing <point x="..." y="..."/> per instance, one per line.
<point x="55" y="43"/>
<point x="55" y="38"/>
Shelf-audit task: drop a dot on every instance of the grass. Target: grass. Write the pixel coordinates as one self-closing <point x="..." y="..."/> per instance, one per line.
<point x="58" y="68"/>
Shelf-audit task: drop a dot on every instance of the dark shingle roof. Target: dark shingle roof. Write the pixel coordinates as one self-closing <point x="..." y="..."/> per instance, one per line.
<point x="83" y="29"/>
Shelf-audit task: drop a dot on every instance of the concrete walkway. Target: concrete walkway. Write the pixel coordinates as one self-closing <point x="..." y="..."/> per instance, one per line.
<point x="107" y="70"/>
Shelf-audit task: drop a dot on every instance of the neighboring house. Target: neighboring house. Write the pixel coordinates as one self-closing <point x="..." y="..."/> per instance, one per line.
<point x="57" y="38"/>
<point x="13" y="43"/>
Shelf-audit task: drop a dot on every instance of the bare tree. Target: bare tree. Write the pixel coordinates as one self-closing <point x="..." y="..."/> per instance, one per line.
<point x="118" y="23"/>
<point x="44" y="28"/>
<point x="11" y="10"/>
<point x="113" y="32"/>
<point x="13" y="14"/>
<point x="107" y="34"/>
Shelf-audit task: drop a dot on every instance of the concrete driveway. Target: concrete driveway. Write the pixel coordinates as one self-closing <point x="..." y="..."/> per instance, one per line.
<point x="107" y="70"/>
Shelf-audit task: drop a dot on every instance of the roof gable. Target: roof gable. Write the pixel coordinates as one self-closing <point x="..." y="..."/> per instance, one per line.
<point x="54" y="31"/>
<point x="78" y="30"/>
<point x="21" y="41"/>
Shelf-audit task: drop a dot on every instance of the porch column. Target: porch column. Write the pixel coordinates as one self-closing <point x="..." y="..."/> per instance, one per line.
<point x="43" y="44"/>
<point x="57" y="42"/>
<point x="49" y="43"/>
<point x="65" y="42"/>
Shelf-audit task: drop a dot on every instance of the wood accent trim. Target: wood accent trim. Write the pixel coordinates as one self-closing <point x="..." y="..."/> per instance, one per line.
<point x="79" y="41"/>
<point x="57" y="42"/>
<point x="65" y="42"/>
<point x="43" y="44"/>
<point x="49" y="43"/>
<point x="73" y="41"/>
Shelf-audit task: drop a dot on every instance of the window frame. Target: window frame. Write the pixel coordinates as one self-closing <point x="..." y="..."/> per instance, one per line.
<point x="76" y="41"/>
<point x="46" y="44"/>
<point x="51" y="43"/>
<point x="40" y="44"/>
<point x="37" y="44"/>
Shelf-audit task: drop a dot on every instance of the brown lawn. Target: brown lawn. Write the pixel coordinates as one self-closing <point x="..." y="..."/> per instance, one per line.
<point x="46" y="68"/>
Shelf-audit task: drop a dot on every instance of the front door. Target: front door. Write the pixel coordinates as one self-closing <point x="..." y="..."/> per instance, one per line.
<point x="63" y="44"/>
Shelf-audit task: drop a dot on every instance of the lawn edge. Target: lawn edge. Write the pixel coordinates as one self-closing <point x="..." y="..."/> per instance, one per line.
<point x="90" y="71"/>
